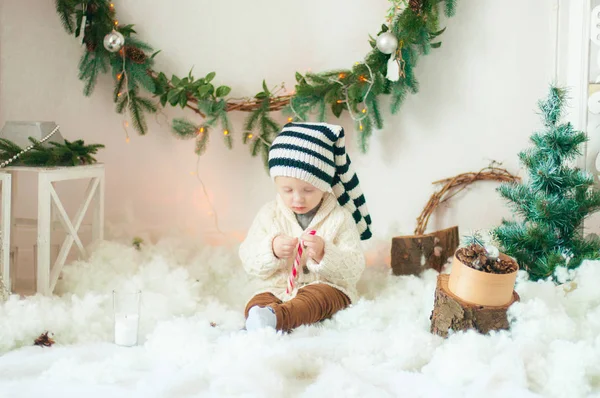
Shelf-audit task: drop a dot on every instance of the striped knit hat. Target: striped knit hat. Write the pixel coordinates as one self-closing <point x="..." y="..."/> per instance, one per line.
<point x="316" y="153"/>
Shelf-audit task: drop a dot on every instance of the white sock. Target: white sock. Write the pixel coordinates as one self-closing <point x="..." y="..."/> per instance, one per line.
<point x="261" y="317"/>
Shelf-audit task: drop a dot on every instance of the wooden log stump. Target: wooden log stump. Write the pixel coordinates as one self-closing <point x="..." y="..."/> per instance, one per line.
<point x="413" y="254"/>
<point x="450" y="312"/>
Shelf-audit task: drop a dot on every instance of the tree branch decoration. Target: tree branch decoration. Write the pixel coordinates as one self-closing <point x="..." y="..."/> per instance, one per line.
<point x="454" y="185"/>
<point x="388" y="69"/>
<point x="56" y="154"/>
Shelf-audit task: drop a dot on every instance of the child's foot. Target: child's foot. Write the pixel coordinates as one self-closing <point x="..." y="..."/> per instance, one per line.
<point x="261" y="317"/>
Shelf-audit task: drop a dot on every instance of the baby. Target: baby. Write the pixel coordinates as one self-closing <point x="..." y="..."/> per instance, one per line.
<point x="319" y="204"/>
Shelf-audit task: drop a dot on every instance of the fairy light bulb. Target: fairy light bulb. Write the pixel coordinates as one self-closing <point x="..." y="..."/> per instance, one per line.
<point x="201" y="130"/>
<point x="127" y="140"/>
<point x="342" y="75"/>
<point x="226" y="132"/>
<point x="119" y="76"/>
<point x="250" y="135"/>
<point x="116" y="23"/>
<point x="362" y="78"/>
<point x="126" y="123"/>
<point x="340" y="101"/>
<point x="364" y="110"/>
<point x="360" y="127"/>
<point x="290" y="119"/>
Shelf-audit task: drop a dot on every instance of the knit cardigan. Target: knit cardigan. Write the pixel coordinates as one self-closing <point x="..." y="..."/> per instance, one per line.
<point x="342" y="264"/>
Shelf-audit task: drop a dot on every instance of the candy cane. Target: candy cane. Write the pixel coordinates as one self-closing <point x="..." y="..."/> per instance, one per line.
<point x="294" y="275"/>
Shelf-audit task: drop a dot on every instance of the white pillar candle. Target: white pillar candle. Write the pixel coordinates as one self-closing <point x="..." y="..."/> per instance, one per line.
<point x="126" y="329"/>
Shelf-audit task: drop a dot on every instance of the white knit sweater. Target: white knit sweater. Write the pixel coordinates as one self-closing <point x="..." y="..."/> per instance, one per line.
<point x="342" y="264"/>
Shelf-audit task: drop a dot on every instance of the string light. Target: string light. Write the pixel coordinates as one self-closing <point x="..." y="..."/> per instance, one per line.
<point x="123" y="75"/>
<point x="342" y="75"/>
<point x="112" y="5"/>
<point x="250" y="135"/>
<point x="213" y="211"/>
<point x="226" y="132"/>
<point x="290" y="119"/>
<point x="345" y="87"/>
<point x="116" y="23"/>
<point x="201" y="130"/>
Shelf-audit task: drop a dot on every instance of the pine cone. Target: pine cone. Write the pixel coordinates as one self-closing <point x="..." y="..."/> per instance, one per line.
<point x="135" y="54"/>
<point x="90" y="45"/>
<point x="415" y="5"/>
<point x="44" y="340"/>
<point x="87" y="39"/>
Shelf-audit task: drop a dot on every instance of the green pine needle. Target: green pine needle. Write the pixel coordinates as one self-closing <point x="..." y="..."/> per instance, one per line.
<point x="184" y="129"/>
<point x="56" y="154"/>
<point x="450" y="8"/>
<point x="201" y="142"/>
<point x="65" y="10"/>
<point x="136" y="110"/>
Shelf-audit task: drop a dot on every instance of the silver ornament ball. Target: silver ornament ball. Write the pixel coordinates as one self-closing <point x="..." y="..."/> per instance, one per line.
<point x="492" y="251"/>
<point x="114" y="41"/>
<point x="387" y="43"/>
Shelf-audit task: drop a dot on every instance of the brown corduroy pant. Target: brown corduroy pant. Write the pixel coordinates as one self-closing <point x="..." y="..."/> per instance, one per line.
<point x="312" y="304"/>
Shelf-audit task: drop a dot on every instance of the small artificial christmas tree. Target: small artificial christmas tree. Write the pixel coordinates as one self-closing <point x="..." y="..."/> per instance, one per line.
<point x="553" y="201"/>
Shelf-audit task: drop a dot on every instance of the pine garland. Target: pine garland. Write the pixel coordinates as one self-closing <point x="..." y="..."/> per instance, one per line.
<point x="553" y="202"/>
<point x="356" y="90"/>
<point x="56" y="154"/>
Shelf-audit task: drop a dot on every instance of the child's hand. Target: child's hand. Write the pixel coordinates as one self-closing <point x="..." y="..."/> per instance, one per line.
<point x="284" y="246"/>
<point x="315" y="246"/>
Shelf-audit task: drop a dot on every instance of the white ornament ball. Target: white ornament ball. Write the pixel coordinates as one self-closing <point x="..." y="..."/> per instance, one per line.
<point x="114" y="41"/>
<point x="387" y="43"/>
<point x="492" y="251"/>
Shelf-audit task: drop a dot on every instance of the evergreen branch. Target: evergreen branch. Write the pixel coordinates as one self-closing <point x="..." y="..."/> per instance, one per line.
<point x="90" y="66"/>
<point x="56" y="154"/>
<point x="226" y="127"/>
<point x="65" y="10"/>
<point x="365" y="127"/>
<point x="137" y="113"/>
<point x="183" y="128"/>
<point x="201" y="142"/>
<point x="450" y="8"/>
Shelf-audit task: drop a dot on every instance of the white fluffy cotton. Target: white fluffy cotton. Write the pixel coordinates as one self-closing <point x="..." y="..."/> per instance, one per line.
<point x="380" y="347"/>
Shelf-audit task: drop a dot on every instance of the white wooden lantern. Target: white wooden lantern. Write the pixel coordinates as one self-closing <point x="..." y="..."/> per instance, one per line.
<point x="48" y="273"/>
<point x="19" y="132"/>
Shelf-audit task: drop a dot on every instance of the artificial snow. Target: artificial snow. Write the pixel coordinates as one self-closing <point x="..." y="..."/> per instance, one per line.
<point x="380" y="347"/>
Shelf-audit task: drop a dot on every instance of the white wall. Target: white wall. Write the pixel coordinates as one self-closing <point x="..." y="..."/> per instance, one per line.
<point x="477" y="102"/>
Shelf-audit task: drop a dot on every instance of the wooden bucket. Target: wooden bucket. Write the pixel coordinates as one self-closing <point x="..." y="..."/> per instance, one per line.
<point x="481" y="288"/>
